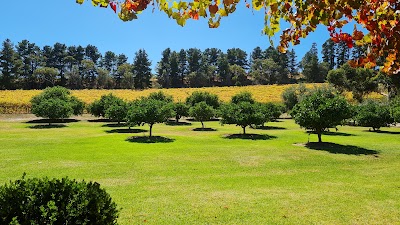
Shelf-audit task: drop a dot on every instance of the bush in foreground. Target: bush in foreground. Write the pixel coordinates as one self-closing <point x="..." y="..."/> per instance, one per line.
<point x="56" y="201"/>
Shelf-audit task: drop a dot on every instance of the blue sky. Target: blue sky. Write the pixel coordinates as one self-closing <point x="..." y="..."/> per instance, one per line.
<point x="46" y="22"/>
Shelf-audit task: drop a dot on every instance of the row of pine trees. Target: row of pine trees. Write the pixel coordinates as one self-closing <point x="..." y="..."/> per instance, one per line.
<point x="25" y="65"/>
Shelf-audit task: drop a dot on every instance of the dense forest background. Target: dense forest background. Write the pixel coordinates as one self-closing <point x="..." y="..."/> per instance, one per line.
<point x="27" y="66"/>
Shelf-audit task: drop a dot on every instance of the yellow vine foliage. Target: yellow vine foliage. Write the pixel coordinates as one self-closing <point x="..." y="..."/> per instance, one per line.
<point x="18" y="101"/>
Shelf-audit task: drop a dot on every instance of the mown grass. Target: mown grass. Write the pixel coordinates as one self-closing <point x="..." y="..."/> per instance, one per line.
<point x="205" y="177"/>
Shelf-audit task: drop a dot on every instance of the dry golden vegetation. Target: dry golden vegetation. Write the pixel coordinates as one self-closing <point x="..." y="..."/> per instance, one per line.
<point x="18" y="101"/>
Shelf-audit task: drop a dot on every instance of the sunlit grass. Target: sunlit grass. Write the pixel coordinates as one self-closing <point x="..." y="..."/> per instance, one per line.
<point x="201" y="177"/>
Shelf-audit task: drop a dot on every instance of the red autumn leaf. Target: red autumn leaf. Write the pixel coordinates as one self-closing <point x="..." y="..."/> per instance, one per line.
<point x="113" y="6"/>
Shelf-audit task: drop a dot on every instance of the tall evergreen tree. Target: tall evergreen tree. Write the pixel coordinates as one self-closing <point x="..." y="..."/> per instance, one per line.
<point x="58" y="55"/>
<point x="223" y="70"/>
<point x="313" y="71"/>
<point x="257" y="53"/>
<point x="292" y="64"/>
<point x="109" y="62"/>
<point x="92" y="53"/>
<point x="342" y="54"/>
<point x="193" y="59"/>
<point x="122" y="59"/>
<point x="237" y="56"/>
<point x="164" y="69"/>
<point x="141" y="70"/>
<point x="174" y="70"/>
<point x="182" y="67"/>
<point x="329" y="53"/>
<point x="9" y="65"/>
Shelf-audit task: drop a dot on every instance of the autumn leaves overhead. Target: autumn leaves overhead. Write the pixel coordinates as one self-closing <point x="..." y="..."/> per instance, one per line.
<point x="379" y="20"/>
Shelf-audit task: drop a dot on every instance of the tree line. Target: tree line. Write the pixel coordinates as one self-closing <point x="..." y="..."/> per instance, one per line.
<point x="27" y="66"/>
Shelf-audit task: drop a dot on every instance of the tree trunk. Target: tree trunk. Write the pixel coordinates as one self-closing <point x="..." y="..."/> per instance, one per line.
<point x="151" y="130"/>
<point x="177" y="119"/>
<point x="202" y="125"/>
<point x="319" y="133"/>
<point x="244" y="130"/>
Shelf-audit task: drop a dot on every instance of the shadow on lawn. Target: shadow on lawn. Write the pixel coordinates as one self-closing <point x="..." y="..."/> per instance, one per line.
<point x="53" y="121"/>
<point x="101" y="120"/>
<point x="340" y="149"/>
<point x="204" y="129"/>
<point x="148" y="140"/>
<point x="47" y="126"/>
<point x="270" y="128"/>
<point x="174" y="123"/>
<point x="212" y="119"/>
<point x="383" y="132"/>
<point x="114" y="125"/>
<point x="126" y="131"/>
<point x="329" y="133"/>
<point x="250" y="136"/>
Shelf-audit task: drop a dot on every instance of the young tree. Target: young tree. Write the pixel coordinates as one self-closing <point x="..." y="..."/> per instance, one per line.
<point x="202" y="112"/>
<point x="117" y="111"/>
<point x="321" y="109"/>
<point x="243" y="97"/>
<point x="292" y="94"/>
<point x="374" y="114"/>
<point x="242" y="114"/>
<point x="203" y="96"/>
<point x="99" y="107"/>
<point x="161" y="96"/>
<point x="56" y="103"/>
<point x="180" y="110"/>
<point x="148" y="111"/>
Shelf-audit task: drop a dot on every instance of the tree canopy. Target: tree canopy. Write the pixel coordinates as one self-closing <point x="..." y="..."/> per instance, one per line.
<point x="378" y="21"/>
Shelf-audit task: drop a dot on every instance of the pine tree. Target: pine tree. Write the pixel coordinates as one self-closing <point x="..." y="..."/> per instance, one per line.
<point x="329" y="53"/>
<point x="141" y="70"/>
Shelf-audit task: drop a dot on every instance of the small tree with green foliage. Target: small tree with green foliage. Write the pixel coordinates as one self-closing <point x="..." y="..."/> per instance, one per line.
<point x="99" y="107"/>
<point x="161" y="96"/>
<point x="395" y="109"/>
<point x="202" y="96"/>
<point x="273" y="110"/>
<point x="56" y="201"/>
<point x="243" y="97"/>
<point x="202" y="112"/>
<point x="148" y="111"/>
<point x="321" y="109"/>
<point x="292" y="94"/>
<point x="180" y="110"/>
<point x="374" y="114"/>
<point x="117" y="111"/>
<point x="56" y="103"/>
<point x="242" y="114"/>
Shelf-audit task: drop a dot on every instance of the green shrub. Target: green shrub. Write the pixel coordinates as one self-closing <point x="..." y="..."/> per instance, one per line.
<point x="55" y="201"/>
<point x="291" y="96"/>
<point x="117" y="111"/>
<point x="273" y="110"/>
<point x="180" y="110"/>
<point x="202" y="96"/>
<point x="56" y="103"/>
<point x="202" y="112"/>
<point x="99" y="107"/>
<point x="243" y="114"/>
<point x="373" y="114"/>
<point x="321" y="109"/>
<point x="160" y="96"/>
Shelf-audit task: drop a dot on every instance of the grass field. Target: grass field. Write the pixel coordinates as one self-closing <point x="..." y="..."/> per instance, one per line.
<point x="18" y="101"/>
<point x="214" y="177"/>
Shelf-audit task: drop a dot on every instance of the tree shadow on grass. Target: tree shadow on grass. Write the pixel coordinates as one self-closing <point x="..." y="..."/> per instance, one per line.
<point x="48" y="121"/>
<point x="47" y="126"/>
<point x="340" y="149"/>
<point x="204" y="129"/>
<point x="329" y="133"/>
<point x="101" y="120"/>
<point x="270" y="128"/>
<point x="174" y="123"/>
<point x="114" y="125"/>
<point x="212" y="119"/>
<point x="250" y="136"/>
<point x="126" y="131"/>
<point x="383" y="132"/>
<point x="149" y="140"/>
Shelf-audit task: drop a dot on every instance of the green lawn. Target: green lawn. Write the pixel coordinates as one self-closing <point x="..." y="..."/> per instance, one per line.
<point x="207" y="177"/>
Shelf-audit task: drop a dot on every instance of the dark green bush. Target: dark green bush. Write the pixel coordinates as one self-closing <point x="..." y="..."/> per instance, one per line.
<point x="99" y="107"/>
<point x="180" y="110"/>
<point x="373" y="114"/>
<point x="56" y="103"/>
<point x="161" y="96"/>
<point x="202" y="96"/>
<point x="55" y="201"/>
